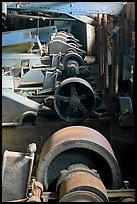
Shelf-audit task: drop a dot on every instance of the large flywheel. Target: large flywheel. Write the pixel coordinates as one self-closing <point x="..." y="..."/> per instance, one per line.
<point x="74" y="99"/>
<point x="68" y="150"/>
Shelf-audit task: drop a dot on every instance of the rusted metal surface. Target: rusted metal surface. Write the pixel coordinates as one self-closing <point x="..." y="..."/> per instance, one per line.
<point x="99" y="30"/>
<point x="46" y="124"/>
<point x="121" y="193"/>
<point x="12" y="139"/>
<point x="36" y="192"/>
<point x="77" y="140"/>
<point x="115" y="66"/>
<point x="105" y="52"/>
<point x="50" y="196"/>
<point x="74" y="99"/>
<point x="130" y="11"/>
<point x="16" y="174"/>
<point x="79" y="178"/>
<point x="121" y="139"/>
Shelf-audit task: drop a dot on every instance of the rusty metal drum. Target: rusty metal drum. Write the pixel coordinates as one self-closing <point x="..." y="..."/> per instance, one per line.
<point x="78" y="145"/>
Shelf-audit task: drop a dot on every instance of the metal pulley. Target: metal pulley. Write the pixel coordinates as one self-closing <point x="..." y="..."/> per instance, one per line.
<point x="74" y="99"/>
<point x="72" y="62"/>
<point x="80" y="184"/>
<point x="77" y="145"/>
<point x="72" y="56"/>
<point x="72" y="69"/>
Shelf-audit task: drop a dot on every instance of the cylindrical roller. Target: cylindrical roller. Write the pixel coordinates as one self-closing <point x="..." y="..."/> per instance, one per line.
<point x="73" y="145"/>
<point x="79" y="184"/>
<point x="81" y="196"/>
<point x="72" y="69"/>
<point x="74" y="99"/>
<point x="72" y="56"/>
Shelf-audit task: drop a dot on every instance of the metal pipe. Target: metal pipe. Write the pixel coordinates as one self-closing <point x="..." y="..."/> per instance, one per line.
<point x="40" y="17"/>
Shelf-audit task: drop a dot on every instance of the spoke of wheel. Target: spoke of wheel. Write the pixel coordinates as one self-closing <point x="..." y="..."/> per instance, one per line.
<point x="68" y="110"/>
<point x="83" y="109"/>
<point x="73" y="90"/>
<point x="83" y="96"/>
<point x="63" y="98"/>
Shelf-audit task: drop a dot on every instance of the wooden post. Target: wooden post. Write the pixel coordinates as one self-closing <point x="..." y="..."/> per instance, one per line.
<point x="38" y="25"/>
<point x="100" y="46"/>
<point x="105" y="52"/>
<point x="102" y="42"/>
<point x="115" y="66"/>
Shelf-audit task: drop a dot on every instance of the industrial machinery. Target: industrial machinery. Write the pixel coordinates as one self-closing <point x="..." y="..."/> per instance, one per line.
<point x="53" y="103"/>
<point x="17" y="108"/>
<point x="64" y="42"/>
<point x="74" y="99"/>
<point x="76" y="164"/>
<point x="63" y="84"/>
